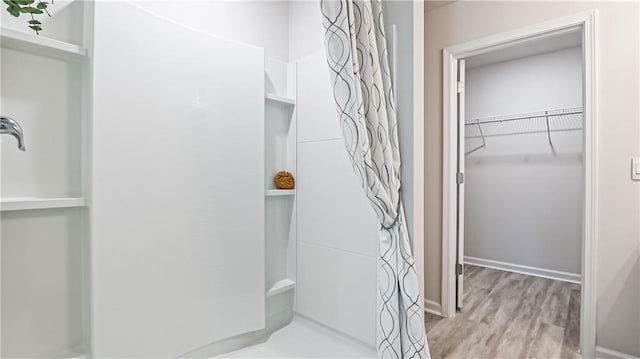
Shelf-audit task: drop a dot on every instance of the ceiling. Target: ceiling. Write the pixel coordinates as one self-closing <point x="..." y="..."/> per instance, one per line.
<point x="528" y="48"/>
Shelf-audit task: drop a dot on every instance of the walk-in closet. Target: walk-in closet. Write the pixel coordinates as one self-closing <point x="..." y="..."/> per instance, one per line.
<point x="521" y="204"/>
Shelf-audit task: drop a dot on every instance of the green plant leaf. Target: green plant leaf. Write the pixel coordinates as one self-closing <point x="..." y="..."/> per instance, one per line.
<point x="31" y="7"/>
<point x="30" y="10"/>
<point x="14" y="10"/>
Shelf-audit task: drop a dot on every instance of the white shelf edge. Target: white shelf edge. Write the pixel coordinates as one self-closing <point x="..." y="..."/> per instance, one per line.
<point x="281" y="286"/>
<point x="280" y="192"/>
<point x="26" y="203"/>
<point x="41" y="45"/>
<point x="280" y="99"/>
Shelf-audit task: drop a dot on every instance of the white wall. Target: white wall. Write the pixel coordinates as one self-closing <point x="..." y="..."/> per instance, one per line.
<point x="523" y="204"/>
<point x="50" y="118"/>
<point x="618" y="253"/>
<point x="337" y="230"/>
<point x="258" y="23"/>
<point x="177" y="209"/>
<point x="306" y="34"/>
<point x="41" y="289"/>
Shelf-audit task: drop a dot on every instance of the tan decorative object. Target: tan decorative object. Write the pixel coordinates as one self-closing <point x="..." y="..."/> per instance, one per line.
<point x="284" y="180"/>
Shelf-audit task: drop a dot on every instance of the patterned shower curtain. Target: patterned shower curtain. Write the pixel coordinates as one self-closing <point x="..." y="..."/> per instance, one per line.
<point x="357" y="58"/>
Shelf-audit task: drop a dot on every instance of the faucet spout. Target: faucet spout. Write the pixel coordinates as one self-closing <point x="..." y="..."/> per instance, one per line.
<point x="11" y="127"/>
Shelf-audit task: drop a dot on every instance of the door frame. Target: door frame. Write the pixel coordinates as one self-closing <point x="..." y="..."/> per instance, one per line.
<point x="418" y="238"/>
<point x="586" y="22"/>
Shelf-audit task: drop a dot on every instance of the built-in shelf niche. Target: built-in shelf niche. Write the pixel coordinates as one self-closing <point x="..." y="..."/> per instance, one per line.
<point x="44" y="233"/>
<point x="42" y="89"/>
<point x="43" y="268"/>
<point x="280" y="147"/>
<point x="280" y="233"/>
<point x="280" y="140"/>
<point x="280" y="212"/>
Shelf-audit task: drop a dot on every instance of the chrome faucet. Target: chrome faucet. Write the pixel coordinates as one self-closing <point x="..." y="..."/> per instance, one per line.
<point x="11" y="127"/>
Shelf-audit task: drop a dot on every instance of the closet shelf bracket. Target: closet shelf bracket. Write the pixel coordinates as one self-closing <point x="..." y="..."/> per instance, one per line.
<point x="546" y="116"/>
<point x="483" y="145"/>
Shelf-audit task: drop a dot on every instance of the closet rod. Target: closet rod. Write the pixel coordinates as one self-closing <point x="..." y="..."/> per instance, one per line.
<point x="538" y="115"/>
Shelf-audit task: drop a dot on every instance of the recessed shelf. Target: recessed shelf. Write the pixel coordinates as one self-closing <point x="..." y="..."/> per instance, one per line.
<point x="280" y="192"/>
<point x="281" y="286"/>
<point x="280" y="99"/>
<point x="26" y="203"/>
<point x="41" y="45"/>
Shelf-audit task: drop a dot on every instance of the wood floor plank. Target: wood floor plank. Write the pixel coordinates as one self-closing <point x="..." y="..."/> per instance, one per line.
<point x="571" y="343"/>
<point x="557" y="305"/>
<point x="509" y="315"/>
<point x="547" y="342"/>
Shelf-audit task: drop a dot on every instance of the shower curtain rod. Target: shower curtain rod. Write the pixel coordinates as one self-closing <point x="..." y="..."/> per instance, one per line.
<point x="525" y="116"/>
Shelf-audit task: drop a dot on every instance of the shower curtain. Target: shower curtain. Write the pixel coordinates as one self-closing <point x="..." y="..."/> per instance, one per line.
<point x="357" y="58"/>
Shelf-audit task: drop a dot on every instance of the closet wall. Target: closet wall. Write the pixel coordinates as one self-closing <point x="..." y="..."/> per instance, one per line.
<point x="523" y="203"/>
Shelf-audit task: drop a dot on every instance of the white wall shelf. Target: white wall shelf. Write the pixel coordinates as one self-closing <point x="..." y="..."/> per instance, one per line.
<point x="40" y="45"/>
<point x="281" y="287"/>
<point x="26" y="203"/>
<point x="280" y="145"/>
<point x="280" y="192"/>
<point x="280" y="99"/>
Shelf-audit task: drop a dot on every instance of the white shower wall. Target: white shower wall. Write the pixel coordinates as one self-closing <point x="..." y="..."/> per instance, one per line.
<point x="177" y="210"/>
<point x="42" y="265"/>
<point x="252" y="22"/>
<point x="337" y="230"/>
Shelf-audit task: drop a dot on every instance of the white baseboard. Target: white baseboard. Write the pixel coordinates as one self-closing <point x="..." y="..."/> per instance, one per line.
<point x="517" y="268"/>
<point x="604" y="353"/>
<point x="433" y="307"/>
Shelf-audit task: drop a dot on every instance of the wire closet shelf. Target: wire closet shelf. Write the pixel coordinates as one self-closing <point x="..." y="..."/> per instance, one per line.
<point x="547" y="122"/>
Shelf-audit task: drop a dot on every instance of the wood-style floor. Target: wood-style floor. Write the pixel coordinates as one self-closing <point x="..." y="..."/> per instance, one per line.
<point x="509" y="315"/>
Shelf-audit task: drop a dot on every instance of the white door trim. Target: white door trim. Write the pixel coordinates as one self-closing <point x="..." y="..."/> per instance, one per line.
<point x="418" y="141"/>
<point x="587" y="22"/>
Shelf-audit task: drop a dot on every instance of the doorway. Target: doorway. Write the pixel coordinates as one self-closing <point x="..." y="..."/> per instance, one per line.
<point x="465" y="137"/>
